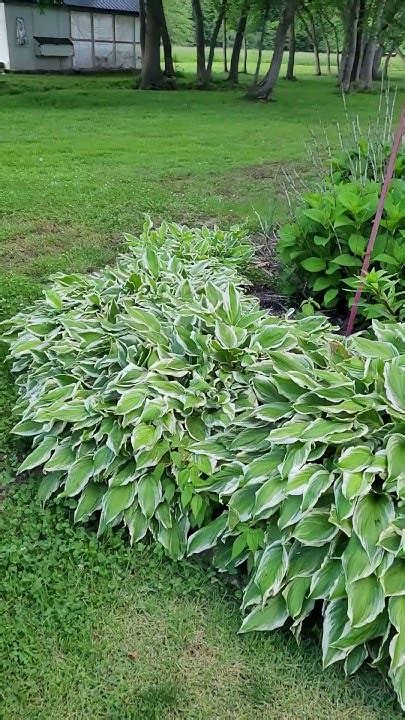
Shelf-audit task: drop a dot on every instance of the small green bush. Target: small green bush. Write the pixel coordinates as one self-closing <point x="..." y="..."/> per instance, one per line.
<point x="381" y="296"/>
<point x="364" y="162"/>
<point x="327" y="240"/>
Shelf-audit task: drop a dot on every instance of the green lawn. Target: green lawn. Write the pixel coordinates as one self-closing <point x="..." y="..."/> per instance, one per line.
<point x="184" y="58"/>
<point x="93" y="629"/>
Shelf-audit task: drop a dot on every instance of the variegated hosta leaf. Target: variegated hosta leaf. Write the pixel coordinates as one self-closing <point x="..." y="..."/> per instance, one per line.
<point x="271" y="616"/>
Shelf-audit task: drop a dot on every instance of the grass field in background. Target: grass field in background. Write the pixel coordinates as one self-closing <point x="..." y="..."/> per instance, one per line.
<point x="92" y="629"/>
<point x="184" y="59"/>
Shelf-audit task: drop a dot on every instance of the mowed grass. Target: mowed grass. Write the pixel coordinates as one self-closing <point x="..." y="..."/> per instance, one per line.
<point x="93" y="629"/>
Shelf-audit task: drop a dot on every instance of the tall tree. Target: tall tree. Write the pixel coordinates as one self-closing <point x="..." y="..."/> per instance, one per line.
<point x="245" y="54"/>
<point x="264" y="21"/>
<point x="350" y="19"/>
<point x="266" y="86"/>
<point x="142" y="29"/>
<point x="326" y="41"/>
<point x="376" y="70"/>
<point x="333" y="25"/>
<point x="291" y="52"/>
<point x="371" y="34"/>
<point x="200" y="42"/>
<point x="369" y="25"/>
<point x="387" y="61"/>
<point x="360" y="41"/>
<point x="167" y="45"/>
<point x="214" y="37"/>
<point x="308" y="22"/>
<point x="225" y="45"/>
<point x="152" y="75"/>
<point x="237" y="45"/>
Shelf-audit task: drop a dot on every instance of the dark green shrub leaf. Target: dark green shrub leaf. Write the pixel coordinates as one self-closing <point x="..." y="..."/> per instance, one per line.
<point x="330" y="296"/>
<point x="313" y="264"/>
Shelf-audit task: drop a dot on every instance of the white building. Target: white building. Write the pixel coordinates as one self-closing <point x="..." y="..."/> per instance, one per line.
<point x="74" y="35"/>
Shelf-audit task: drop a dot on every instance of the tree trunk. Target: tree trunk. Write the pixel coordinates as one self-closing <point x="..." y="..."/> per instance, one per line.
<point x="318" y="70"/>
<point x="214" y="38"/>
<point x="377" y="74"/>
<point x="366" y="70"/>
<point x="142" y="29"/>
<point x="326" y="41"/>
<point x="386" y="63"/>
<point x="200" y="42"/>
<point x="167" y="45"/>
<point x="336" y="34"/>
<point x="352" y="20"/>
<point x="237" y="45"/>
<point x="370" y="48"/>
<point x="358" y="60"/>
<point x="265" y="88"/>
<point x="291" y="52"/>
<point x="328" y="54"/>
<point x="261" y="41"/>
<point x="343" y="59"/>
<point x="224" y="47"/>
<point x="311" y="32"/>
<point x="337" y="49"/>
<point x="360" y="43"/>
<point x="152" y="75"/>
<point x="245" y="55"/>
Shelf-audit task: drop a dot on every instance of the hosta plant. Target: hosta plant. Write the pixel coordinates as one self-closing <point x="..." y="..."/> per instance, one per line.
<point x="120" y="372"/>
<point x="326" y="242"/>
<point x="232" y="247"/>
<point x="315" y="498"/>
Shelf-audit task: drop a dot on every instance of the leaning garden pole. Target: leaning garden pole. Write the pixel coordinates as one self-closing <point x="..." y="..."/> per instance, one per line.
<point x="376" y="224"/>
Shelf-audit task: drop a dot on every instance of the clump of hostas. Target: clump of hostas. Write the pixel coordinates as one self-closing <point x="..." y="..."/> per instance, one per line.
<point x="157" y="394"/>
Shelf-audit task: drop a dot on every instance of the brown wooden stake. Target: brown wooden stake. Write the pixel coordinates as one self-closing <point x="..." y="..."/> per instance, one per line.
<point x="376" y="224"/>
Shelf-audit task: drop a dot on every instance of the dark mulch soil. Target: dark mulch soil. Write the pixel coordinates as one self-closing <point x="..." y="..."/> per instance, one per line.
<point x="265" y="278"/>
<point x="270" y="300"/>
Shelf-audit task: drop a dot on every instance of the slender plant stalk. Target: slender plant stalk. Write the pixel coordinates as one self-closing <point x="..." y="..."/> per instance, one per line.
<point x="376" y="224"/>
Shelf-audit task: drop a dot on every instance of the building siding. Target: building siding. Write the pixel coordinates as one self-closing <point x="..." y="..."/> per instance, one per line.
<point x="4" y="53"/>
<point x="52" y="22"/>
<point x="102" y="41"/>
